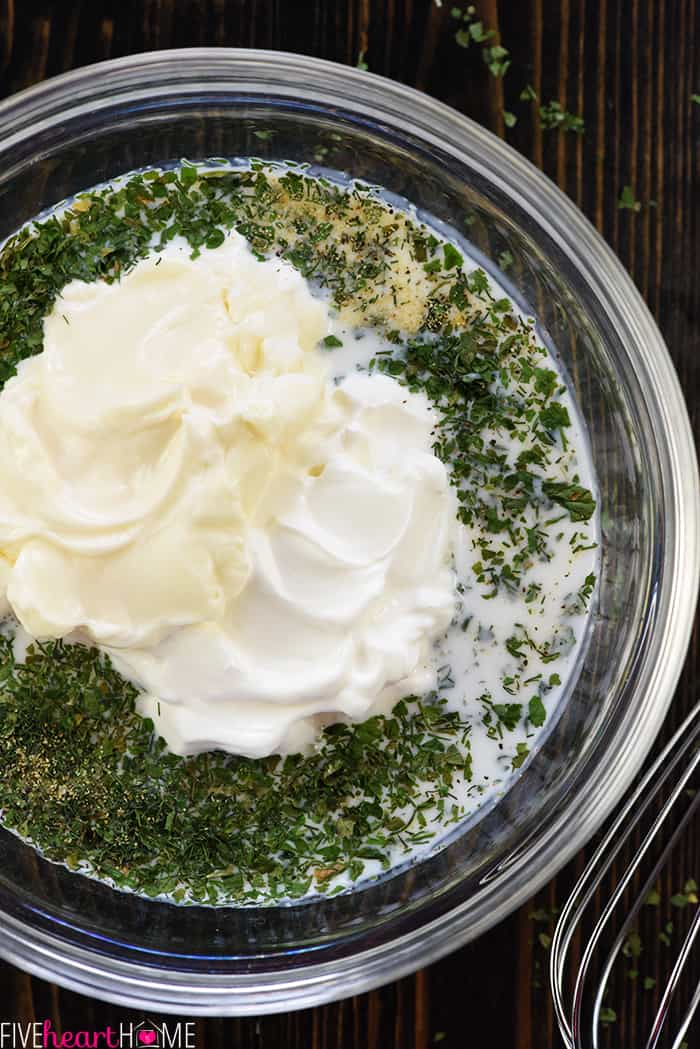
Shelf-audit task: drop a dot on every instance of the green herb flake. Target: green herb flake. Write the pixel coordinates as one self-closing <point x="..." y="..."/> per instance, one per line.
<point x="577" y="501"/>
<point x="521" y="752"/>
<point x="451" y="256"/>
<point x="505" y="261"/>
<point x="480" y="35"/>
<point x="509" y="714"/>
<point x="497" y="59"/>
<point x="96" y="785"/>
<point x="553" y="117"/>
<point x="187" y="174"/>
<point x="628" y="201"/>
<point x="555" y="417"/>
<point x="536" y="712"/>
<point x="632" y="947"/>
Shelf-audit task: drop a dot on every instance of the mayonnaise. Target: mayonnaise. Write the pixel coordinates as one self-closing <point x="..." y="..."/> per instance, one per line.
<point x="260" y="550"/>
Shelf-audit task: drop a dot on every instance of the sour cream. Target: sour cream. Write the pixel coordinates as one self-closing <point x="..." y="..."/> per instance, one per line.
<point x="261" y="550"/>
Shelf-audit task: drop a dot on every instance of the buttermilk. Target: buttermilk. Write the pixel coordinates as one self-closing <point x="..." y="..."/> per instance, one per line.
<point x="410" y="308"/>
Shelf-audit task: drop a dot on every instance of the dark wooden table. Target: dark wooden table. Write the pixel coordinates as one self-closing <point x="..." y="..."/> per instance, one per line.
<point x="629" y="68"/>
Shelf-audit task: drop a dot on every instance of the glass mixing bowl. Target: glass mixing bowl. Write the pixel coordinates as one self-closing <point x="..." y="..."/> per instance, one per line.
<point x="88" y="126"/>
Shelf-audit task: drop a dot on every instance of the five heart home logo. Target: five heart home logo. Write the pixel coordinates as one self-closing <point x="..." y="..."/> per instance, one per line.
<point x="148" y="1034"/>
<point x="41" y="1034"/>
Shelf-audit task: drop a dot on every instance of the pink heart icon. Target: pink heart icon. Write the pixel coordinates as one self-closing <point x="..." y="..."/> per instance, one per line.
<point x="147" y="1037"/>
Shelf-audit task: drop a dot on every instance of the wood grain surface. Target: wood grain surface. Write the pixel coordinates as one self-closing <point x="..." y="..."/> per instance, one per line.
<point x="629" y="68"/>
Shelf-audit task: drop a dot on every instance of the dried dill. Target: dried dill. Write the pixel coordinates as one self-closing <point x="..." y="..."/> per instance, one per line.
<point x="84" y="776"/>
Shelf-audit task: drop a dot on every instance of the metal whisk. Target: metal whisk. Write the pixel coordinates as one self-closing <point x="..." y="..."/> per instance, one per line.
<point x="666" y="786"/>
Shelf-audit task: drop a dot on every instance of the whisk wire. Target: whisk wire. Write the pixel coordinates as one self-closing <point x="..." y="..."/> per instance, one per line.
<point x="644" y="891"/>
<point x="683" y="748"/>
<point x="662" y="1012"/>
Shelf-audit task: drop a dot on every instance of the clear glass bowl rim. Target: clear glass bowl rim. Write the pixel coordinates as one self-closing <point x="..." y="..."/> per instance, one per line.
<point x="260" y="74"/>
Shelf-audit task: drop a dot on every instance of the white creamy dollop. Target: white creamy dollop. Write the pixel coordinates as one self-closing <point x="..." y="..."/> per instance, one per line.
<point x="261" y="551"/>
